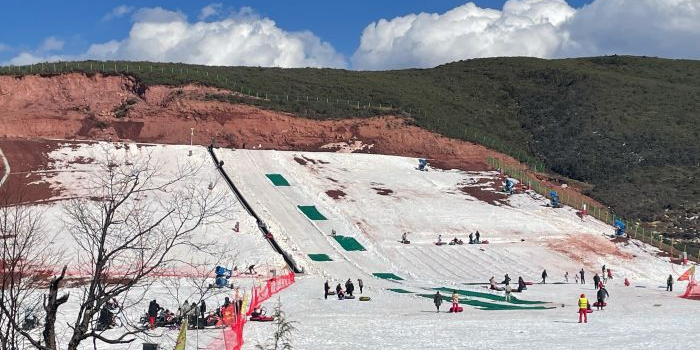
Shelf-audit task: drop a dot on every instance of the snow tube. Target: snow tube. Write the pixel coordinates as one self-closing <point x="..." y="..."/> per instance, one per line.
<point x="440" y="243"/>
<point x="349" y="297"/>
<point x="365" y="299"/>
<point x="528" y="283"/>
<point x="405" y="242"/>
<point x="261" y="318"/>
<point x="456" y="309"/>
<point x="596" y="304"/>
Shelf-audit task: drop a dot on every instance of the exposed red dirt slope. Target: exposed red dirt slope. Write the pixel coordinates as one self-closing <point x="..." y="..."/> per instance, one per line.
<point x="118" y="108"/>
<point x="75" y="106"/>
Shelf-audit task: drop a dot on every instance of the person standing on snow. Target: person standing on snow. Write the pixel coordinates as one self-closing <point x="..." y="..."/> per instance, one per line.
<point x="478" y="237"/>
<point x="566" y="276"/>
<point x="583" y="275"/>
<point x="521" y="284"/>
<point x="437" y="300"/>
<point x="360" y="284"/>
<point x="506" y="279"/>
<point x="602" y="294"/>
<point x="508" y="291"/>
<point x="596" y="281"/>
<point x="544" y="277"/>
<point x="455" y="300"/>
<point x="471" y="238"/>
<point x="669" y="283"/>
<point x="349" y="287"/>
<point x="583" y="309"/>
<point x="326" y="289"/>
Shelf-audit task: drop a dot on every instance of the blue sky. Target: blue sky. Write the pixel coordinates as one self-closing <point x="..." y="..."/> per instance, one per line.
<point x="65" y="30"/>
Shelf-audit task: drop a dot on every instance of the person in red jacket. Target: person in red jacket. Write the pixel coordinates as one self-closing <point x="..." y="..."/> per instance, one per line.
<point x="583" y="309"/>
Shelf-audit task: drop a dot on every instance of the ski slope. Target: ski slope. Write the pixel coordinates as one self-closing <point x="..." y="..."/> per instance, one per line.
<point x="377" y="199"/>
<point x="525" y="238"/>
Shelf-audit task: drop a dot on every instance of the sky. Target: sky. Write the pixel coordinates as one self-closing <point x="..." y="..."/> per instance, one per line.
<point x="360" y="34"/>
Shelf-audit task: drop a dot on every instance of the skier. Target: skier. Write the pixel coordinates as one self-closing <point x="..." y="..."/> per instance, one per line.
<point x="437" y="299"/>
<point x="326" y="289"/>
<point x="478" y="237"/>
<point x="506" y="279"/>
<point x="508" y="291"/>
<point x="602" y="294"/>
<point x="583" y="274"/>
<point x="360" y="284"/>
<point x="669" y="284"/>
<point x="566" y="276"/>
<point x="544" y="276"/>
<point x="596" y="281"/>
<point x="583" y="309"/>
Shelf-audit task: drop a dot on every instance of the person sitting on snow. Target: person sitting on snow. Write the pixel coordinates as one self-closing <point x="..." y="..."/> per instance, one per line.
<point x="439" y="239"/>
<point x="404" y="239"/>
<point x="521" y="284"/>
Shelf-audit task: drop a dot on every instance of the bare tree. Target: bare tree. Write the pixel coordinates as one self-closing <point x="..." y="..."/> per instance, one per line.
<point x="25" y="268"/>
<point x="281" y="339"/>
<point x="136" y="221"/>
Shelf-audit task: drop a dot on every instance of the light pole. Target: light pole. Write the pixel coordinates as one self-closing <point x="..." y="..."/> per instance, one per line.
<point x="191" y="135"/>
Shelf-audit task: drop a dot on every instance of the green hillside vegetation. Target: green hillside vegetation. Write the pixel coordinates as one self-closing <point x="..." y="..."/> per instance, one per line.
<point x="629" y="126"/>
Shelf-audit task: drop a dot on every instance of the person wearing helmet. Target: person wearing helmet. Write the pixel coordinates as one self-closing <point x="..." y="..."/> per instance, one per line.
<point x="583" y="309"/>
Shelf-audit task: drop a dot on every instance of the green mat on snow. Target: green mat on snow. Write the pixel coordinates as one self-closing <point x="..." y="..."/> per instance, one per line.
<point x="311" y="212"/>
<point x="482" y="305"/>
<point x="387" y="276"/>
<point x="489" y="296"/>
<point x="348" y="243"/>
<point x="320" y="257"/>
<point x="399" y="290"/>
<point x="277" y="179"/>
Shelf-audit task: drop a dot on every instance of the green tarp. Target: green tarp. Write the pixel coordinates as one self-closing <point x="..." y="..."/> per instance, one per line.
<point x="277" y="179"/>
<point x="489" y="296"/>
<point x="482" y="305"/>
<point x="320" y="257"/>
<point x="387" y="276"/>
<point x="348" y="243"/>
<point x="311" y="212"/>
<point x="399" y="290"/>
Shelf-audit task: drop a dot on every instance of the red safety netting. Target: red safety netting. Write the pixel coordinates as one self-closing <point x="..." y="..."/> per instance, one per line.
<point x="233" y="335"/>
<point x="692" y="291"/>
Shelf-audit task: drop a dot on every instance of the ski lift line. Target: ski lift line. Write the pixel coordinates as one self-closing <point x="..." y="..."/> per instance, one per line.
<point x="6" y="165"/>
<point x="261" y="225"/>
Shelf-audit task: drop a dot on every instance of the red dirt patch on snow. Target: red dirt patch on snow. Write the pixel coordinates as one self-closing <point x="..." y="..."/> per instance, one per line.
<point x="383" y="191"/>
<point x="587" y="247"/>
<point x="336" y="194"/>
<point x="29" y="166"/>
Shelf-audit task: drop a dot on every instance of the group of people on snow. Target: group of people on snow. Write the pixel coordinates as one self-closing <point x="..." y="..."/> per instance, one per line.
<point x="340" y="292"/>
<point x="474" y="238"/>
<point x="196" y="314"/>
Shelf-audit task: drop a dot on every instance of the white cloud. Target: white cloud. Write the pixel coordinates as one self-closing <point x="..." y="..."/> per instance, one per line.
<point x="668" y="28"/>
<point x="25" y="58"/>
<point x="117" y="12"/>
<point x="209" y="10"/>
<point x="158" y="34"/>
<point x="536" y="28"/>
<point x="50" y="44"/>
